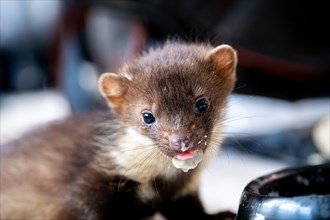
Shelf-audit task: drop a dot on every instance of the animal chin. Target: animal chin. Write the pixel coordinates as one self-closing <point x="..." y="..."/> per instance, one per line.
<point x="187" y="160"/>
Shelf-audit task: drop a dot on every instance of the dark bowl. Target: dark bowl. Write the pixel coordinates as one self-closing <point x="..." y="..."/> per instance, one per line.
<point x="290" y="194"/>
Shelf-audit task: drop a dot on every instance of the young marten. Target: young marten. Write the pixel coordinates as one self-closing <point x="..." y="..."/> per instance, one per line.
<point x="142" y="157"/>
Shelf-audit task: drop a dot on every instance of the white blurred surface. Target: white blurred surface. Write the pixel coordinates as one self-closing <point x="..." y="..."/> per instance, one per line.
<point x="256" y="115"/>
<point x="22" y="112"/>
<point x="224" y="180"/>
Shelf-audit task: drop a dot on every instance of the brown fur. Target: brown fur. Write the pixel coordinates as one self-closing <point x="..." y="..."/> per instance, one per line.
<point x="113" y="166"/>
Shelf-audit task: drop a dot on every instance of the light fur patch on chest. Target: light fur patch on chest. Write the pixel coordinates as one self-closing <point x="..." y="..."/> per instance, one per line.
<point x="139" y="159"/>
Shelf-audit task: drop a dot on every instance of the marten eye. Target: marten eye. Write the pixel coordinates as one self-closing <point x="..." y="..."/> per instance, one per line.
<point x="148" y="118"/>
<point x="201" y="105"/>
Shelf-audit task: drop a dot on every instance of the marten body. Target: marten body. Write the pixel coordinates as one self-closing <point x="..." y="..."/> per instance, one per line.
<point x="143" y="157"/>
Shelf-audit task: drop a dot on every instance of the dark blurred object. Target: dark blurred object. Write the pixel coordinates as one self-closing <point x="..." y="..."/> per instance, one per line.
<point x="283" y="47"/>
<point x="296" y="193"/>
<point x="108" y="33"/>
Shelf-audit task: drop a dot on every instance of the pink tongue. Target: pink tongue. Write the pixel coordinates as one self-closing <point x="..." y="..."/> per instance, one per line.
<point x="186" y="155"/>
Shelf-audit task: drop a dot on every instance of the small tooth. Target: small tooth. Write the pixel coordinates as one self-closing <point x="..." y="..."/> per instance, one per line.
<point x="184" y="147"/>
<point x="183" y="144"/>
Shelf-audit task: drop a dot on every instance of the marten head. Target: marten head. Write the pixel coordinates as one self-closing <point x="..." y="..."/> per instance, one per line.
<point x="175" y="95"/>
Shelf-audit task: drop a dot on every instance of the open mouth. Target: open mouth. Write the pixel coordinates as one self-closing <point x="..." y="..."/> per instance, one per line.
<point x="185" y="155"/>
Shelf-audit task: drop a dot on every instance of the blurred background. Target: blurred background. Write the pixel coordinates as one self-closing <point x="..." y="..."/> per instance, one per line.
<point x="52" y="53"/>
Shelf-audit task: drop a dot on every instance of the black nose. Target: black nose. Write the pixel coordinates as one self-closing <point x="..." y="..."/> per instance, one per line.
<point x="179" y="142"/>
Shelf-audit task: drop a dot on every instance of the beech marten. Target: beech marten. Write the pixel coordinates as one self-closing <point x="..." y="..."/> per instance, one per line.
<point x="143" y="156"/>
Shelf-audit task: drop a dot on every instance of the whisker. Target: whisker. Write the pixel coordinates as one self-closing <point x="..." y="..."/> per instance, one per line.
<point x="141" y="164"/>
<point x="236" y="142"/>
<point x="142" y="147"/>
<point x="119" y="183"/>
<point x="156" y="189"/>
<point x="150" y="159"/>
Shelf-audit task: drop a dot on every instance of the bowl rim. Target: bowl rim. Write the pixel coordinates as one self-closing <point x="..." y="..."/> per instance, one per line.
<point x="254" y="186"/>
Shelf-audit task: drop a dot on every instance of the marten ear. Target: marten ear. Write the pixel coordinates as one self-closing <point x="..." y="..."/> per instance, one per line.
<point x="113" y="86"/>
<point x="224" y="58"/>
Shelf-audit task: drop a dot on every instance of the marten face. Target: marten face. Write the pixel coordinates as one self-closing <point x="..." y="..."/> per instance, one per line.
<point x="177" y="117"/>
<point x="175" y="96"/>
